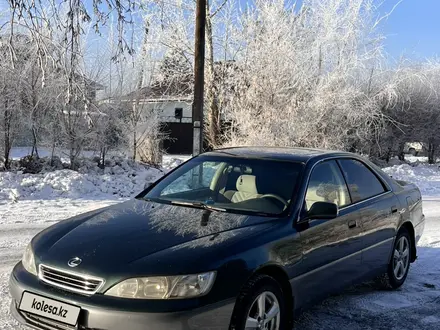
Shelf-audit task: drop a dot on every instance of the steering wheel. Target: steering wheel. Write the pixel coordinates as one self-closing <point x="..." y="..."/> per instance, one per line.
<point x="275" y="197"/>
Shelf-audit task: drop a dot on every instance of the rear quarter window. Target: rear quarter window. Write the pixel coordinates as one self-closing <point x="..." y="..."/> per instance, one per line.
<point x="362" y="182"/>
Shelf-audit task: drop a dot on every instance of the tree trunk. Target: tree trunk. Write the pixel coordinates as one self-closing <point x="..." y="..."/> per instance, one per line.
<point x="72" y="159"/>
<point x="388" y="156"/>
<point x="6" y="154"/>
<point x="52" y="152"/>
<point x="134" y="144"/>
<point x="34" y="143"/>
<point x="213" y="124"/>
<point x="401" y="153"/>
<point x="34" y="112"/>
<point x="102" y="157"/>
<point x="136" y="114"/>
<point x="72" y="153"/>
<point x="7" y="123"/>
<point x="431" y="153"/>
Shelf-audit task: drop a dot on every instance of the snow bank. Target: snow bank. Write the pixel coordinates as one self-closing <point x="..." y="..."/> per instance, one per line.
<point x="124" y="180"/>
<point x="426" y="177"/>
<point x="171" y="161"/>
<point x="121" y="178"/>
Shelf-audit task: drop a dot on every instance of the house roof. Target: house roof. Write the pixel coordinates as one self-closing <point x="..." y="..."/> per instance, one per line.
<point x="176" y="89"/>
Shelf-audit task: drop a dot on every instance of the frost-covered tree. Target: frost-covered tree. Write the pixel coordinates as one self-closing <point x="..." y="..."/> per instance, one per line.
<point x="413" y="115"/>
<point x="14" y="90"/>
<point x="279" y="74"/>
<point x="218" y="27"/>
<point x="37" y="15"/>
<point x="304" y="74"/>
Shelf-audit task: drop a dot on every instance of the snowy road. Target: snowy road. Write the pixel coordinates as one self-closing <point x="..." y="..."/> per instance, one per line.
<point x="415" y="306"/>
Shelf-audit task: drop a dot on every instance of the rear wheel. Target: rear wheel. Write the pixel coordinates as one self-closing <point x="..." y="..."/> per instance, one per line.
<point x="260" y="306"/>
<point x="400" y="260"/>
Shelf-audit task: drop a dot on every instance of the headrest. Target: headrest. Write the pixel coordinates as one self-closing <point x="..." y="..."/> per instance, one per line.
<point x="329" y="191"/>
<point x="246" y="183"/>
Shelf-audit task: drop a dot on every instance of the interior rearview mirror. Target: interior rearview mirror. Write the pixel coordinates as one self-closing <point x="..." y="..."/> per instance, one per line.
<point x="323" y="210"/>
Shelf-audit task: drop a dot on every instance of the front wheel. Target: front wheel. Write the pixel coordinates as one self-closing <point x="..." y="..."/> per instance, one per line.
<point x="400" y="260"/>
<point x="260" y="306"/>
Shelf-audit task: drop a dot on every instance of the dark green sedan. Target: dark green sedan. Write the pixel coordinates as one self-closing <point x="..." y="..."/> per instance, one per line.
<point x="239" y="238"/>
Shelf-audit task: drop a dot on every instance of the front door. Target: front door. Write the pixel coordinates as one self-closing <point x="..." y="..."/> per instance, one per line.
<point x="331" y="248"/>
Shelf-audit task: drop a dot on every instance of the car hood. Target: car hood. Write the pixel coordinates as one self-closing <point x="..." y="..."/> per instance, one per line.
<point x="120" y="235"/>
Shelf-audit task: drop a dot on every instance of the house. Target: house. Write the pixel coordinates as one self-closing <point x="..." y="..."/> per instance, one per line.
<point x="173" y="104"/>
<point x="171" y="97"/>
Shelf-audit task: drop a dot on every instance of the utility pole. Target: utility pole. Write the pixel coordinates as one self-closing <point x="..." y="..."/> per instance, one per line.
<point x="199" y="77"/>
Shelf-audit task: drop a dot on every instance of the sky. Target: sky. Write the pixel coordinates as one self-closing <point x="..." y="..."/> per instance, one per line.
<point x="413" y="29"/>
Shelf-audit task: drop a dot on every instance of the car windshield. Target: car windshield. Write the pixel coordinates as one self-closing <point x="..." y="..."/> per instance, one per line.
<point x="222" y="183"/>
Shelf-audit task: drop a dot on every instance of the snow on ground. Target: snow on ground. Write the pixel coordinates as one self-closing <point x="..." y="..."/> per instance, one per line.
<point x="121" y="181"/>
<point x="44" y="199"/>
<point x="426" y="177"/>
<point x="122" y="178"/>
<point x="171" y="161"/>
<point x="415" y="159"/>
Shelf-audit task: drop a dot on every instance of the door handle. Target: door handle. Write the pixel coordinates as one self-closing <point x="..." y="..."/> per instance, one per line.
<point x="393" y="209"/>
<point x="352" y="224"/>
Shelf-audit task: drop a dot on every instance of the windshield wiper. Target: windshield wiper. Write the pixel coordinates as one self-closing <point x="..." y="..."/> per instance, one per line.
<point x="199" y="205"/>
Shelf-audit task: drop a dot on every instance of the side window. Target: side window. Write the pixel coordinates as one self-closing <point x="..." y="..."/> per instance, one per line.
<point x="362" y="183"/>
<point x="196" y="178"/>
<point x="327" y="184"/>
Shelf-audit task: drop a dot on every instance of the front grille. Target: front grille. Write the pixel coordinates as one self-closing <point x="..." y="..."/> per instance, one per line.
<point x="75" y="282"/>
<point x="44" y="323"/>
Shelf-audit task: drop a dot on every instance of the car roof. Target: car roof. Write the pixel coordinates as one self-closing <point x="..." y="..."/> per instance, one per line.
<point x="278" y="153"/>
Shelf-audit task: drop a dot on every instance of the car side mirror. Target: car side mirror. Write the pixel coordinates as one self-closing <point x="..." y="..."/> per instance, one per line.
<point x="323" y="210"/>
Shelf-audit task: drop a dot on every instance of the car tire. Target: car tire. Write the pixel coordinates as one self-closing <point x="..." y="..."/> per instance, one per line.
<point x="393" y="279"/>
<point x="247" y="307"/>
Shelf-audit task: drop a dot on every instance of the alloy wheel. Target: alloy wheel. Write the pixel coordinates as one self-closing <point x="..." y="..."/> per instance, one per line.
<point x="264" y="313"/>
<point x="401" y="258"/>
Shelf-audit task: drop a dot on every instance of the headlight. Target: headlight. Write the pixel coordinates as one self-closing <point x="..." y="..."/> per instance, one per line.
<point x="164" y="287"/>
<point x="28" y="260"/>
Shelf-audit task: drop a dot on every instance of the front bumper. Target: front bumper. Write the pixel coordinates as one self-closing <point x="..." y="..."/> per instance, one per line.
<point x="93" y="317"/>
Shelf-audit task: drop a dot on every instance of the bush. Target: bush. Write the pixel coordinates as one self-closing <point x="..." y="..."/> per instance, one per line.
<point x="31" y="164"/>
<point x="54" y="163"/>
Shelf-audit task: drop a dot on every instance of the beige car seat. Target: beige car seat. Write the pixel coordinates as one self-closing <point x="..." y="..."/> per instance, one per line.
<point x="246" y="189"/>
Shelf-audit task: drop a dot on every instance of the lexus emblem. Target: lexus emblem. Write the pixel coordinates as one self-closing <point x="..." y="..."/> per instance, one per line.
<point x="74" y="262"/>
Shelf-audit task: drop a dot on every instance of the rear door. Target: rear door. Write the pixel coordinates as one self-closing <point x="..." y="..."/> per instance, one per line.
<point x="331" y="248"/>
<point x="377" y="207"/>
